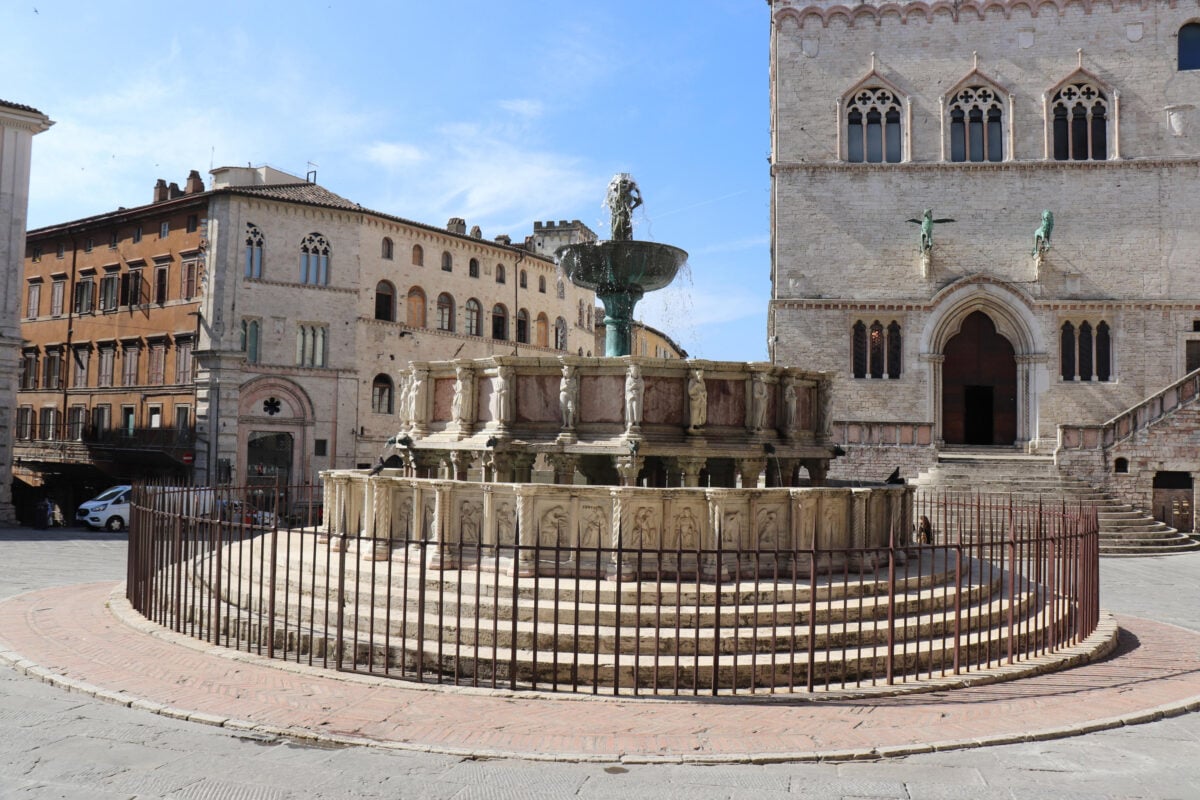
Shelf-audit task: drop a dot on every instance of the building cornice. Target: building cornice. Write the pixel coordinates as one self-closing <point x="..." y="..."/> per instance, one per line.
<point x="1026" y="165"/>
<point x="872" y="12"/>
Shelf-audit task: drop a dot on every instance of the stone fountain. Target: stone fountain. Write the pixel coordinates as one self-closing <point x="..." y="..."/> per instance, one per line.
<point x="620" y="270"/>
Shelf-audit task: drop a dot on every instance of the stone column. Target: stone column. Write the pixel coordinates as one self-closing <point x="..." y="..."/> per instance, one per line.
<point x="690" y="467"/>
<point x="563" y="465"/>
<point x="426" y="463"/>
<point x="935" y="361"/>
<point x="460" y="463"/>
<point x="628" y="468"/>
<point x="523" y="467"/>
<point x="749" y="469"/>
<point x="420" y="400"/>
<point x="817" y="469"/>
<point x="381" y="519"/>
<point x="501" y="466"/>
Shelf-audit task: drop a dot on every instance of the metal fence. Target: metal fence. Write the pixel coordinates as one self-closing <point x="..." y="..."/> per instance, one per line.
<point x="994" y="583"/>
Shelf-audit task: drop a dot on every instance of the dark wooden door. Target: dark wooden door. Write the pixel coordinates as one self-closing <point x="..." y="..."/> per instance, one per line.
<point x="979" y="386"/>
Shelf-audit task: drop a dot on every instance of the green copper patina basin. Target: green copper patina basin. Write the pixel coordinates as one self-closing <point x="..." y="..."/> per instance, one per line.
<point x="630" y="266"/>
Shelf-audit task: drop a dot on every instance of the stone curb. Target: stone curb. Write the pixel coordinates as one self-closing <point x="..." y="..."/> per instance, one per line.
<point x="1096" y="647"/>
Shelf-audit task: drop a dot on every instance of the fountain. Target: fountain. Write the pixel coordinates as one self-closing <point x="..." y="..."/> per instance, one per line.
<point x="620" y="270"/>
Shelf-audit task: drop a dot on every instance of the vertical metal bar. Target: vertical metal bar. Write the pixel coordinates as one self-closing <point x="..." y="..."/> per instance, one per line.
<point x="339" y="638"/>
<point x="891" y="607"/>
<point x="273" y="588"/>
<point x="811" y="656"/>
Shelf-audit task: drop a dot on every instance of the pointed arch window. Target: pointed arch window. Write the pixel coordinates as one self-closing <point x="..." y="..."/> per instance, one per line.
<point x="1079" y="116"/>
<point x="874" y="126"/>
<point x="473" y="317"/>
<point x="445" y="312"/>
<point x="385" y="301"/>
<point x="381" y="394"/>
<point x="254" y="251"/>
<point x="499" y="322"/>
<point x="560" y="334"/>
<point x="1189" y="46"/>
<point x="314" y="260"/>
<point x="876" y="350"/>
<point x="562" y="291"/>
<point x="542" y="284"/>
<point x="416" y="307"/>
<point x="524" y="280"/>
<point x="523" y="326"/>
<point x="250" y="340"/>
<point x="1086" y="351"/>
<point x="976" y="125"/>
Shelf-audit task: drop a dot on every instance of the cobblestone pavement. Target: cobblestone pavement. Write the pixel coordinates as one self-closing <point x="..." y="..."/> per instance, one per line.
<point x="55" y="743"/>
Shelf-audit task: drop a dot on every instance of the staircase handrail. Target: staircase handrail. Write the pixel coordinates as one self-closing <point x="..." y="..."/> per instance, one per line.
<point x="1134" y="419"/>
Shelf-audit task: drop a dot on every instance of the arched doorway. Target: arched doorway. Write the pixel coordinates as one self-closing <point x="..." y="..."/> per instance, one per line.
<point x="979" y="385"/>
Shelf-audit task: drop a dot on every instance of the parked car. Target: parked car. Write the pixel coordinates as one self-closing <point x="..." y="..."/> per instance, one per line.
<point x="108" y="510"/>
<point x="245" y="513"/>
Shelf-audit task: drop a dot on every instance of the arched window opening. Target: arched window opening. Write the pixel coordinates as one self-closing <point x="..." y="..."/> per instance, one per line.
<point x="311" y="346"/>
<point x="254" y="251"/>
<point x="560" y="334"/>
<point x="1189" y="46"/>
<point x="1121" y="465"/>
<point x="589" y="317"/>
<point x="873" y="126"/>
<point x="877" y="349"/>
<point x="523" y="326"/>
<point x="445" y="312"/>
<point x="381" y="394"/>
<point x="385" y="301"/>
<point x="499" y="322"/>
<point x="1085" y="351"/>
<point x="1080" y="123"/>
<point x="976" y="125"/>
<point x="562" y="291"/>
<point x="474" y="317"/>
<point x="859" y="350"/>
<point x="416" y="307"/>
<point x="524" y="282"/>
<point x="387" y="249"/>
<point x="581" y="313"/>
<point x="1103" y="352"/>
<point x="499" y="273"/>
<point x="314" y="260"/>
<point x="418" y="256"/>
<point x="542" y="284"/>
<point x="894" y="350"/>
<point x="447" y="261"/>
<point x="1068" y="352"/>
<point x="473" y="268"/>
<point x="542" y="331"/>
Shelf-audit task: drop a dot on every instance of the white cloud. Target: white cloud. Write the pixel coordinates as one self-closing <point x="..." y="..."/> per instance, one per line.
<point x="530" y="109"/>
<point x="393" y="155"/>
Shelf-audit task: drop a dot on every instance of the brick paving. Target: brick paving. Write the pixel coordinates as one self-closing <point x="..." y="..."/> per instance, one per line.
<point x="79" y="636"/>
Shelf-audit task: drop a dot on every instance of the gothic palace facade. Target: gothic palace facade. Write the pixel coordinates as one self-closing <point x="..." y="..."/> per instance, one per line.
<point x="986" y="322"/>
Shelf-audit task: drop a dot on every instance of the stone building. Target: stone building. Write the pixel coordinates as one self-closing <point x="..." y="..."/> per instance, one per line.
<point x="916" y="149"/>
<point x="18" y="125"/>
<point x="264" y="342"/>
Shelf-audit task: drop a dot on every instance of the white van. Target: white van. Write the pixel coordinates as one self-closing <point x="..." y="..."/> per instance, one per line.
<point x="108" y="510"/>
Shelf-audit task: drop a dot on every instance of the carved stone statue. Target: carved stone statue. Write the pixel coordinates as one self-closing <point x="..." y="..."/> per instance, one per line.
<point x="501" y="388"/>
<point x="927" y="222"/>
<point x="697" y="400"/>
<point x="789" y="405"/>
<point x="635" y="386"/>
<point x="623" y="197"/>
<point x="758" y="405"/>
<point x="402" y="400"/>
<point x="1041" y="237"/>
<point x="458" y="406"/>
<point x="568" y="396"/>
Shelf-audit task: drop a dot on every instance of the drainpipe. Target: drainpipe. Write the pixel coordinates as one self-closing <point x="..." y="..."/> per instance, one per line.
<point x="516" y="302"/>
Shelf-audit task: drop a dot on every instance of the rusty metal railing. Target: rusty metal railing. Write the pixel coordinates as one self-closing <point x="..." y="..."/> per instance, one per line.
<point x="995" y="582"/>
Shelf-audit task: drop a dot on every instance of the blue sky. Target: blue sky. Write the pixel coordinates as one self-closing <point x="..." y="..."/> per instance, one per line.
<point x="499" y="112"/>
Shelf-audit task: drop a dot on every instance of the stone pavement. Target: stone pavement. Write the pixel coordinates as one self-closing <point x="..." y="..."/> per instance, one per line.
<point x="54" y="743"/>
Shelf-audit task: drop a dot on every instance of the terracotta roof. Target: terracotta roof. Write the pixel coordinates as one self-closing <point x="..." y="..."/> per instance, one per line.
<point x="310" y="193"/>
<point x="18" y="106"/>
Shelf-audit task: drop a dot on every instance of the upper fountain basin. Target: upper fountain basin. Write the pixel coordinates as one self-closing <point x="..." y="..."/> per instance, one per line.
<point x="610" y="266"/>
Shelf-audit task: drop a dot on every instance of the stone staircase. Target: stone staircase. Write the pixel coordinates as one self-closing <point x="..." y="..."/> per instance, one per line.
<point x="1124" y="530"/>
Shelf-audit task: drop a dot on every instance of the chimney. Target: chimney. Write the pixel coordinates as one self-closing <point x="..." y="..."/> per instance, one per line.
<point x="160" y="191"/>
<point x="174" y="191"/>
<point x="457" y="225"/>
<point x="476" y="232"/>
<point x="504" y="239"/>
<point x="194" y="183"/>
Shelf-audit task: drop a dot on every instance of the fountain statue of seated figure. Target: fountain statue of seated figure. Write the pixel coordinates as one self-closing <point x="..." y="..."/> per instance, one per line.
<point x="623" y="197"/>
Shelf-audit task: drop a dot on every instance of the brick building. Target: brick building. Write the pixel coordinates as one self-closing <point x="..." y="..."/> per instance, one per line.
<point x="966" y="328"/>
<point x="250" y="332"/>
